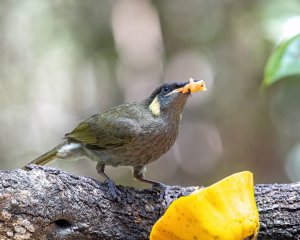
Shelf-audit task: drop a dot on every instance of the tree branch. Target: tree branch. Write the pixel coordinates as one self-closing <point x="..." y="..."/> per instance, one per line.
<point x="48" y="203"/>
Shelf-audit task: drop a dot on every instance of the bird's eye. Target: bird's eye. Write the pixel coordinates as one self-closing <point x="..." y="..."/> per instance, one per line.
<point x="166" y="89"/>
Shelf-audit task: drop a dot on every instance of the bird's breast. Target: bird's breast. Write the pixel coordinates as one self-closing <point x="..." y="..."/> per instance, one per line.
<point x="155" y="141"/>
<point x="148" y="145"/>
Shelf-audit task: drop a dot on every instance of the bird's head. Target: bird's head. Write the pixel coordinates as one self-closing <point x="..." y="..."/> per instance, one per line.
<point x="172" y="96"/>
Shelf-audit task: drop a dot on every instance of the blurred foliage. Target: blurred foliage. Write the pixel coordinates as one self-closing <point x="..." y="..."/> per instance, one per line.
<point x="284" y="61"/>
<point x="62" y="61"/>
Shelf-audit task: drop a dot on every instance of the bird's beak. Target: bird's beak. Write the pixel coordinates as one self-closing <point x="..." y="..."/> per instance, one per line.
<point x="192" y="86"/>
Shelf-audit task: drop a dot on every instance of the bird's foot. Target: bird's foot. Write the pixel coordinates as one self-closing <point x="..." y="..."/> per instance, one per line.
<point x="161" y="188"/>
<point x="113" y="190"/>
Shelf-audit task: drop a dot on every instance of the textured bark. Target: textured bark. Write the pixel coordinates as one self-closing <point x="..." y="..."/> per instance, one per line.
<point x="48" y="203"/>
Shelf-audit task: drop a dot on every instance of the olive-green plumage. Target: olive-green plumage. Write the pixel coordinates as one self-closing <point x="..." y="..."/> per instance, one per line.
<point x="132" y="134"/>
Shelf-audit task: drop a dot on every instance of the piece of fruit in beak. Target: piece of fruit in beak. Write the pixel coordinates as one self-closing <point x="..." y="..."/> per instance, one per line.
<point x="193" y="86"/>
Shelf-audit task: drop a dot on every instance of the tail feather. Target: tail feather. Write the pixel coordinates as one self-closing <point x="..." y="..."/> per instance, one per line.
<point x="46" y="157"/>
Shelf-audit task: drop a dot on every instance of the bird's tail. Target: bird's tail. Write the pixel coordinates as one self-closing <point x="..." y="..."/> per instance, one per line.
<point x="46" y="157"/>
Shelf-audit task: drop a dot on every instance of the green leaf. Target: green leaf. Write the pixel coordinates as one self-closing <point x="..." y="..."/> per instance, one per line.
<point x="284" y="61"/>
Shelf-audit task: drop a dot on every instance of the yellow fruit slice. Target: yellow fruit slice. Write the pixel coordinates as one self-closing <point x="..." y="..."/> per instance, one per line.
<point x="226" y="210"/>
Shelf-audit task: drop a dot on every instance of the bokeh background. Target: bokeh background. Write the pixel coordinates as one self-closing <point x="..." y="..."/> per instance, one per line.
<point x="62" y="61"/>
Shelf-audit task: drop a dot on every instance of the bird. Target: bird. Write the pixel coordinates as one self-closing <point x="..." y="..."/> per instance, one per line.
<point x="132" y="134"/>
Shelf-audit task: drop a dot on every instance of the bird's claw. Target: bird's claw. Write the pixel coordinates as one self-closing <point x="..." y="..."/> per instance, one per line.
<point x="161" y="188"/>
<point x="113" y="190"/>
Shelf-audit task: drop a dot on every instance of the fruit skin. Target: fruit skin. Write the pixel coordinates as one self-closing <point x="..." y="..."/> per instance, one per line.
<point x="132" y="134"/>
<point x="226" y="211"/>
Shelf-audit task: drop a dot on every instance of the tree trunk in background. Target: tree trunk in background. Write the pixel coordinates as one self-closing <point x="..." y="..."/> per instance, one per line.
<point x="48" y="203"/>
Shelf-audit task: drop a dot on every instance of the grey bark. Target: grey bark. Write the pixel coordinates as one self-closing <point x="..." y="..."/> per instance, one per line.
<point x="48" y="203"/>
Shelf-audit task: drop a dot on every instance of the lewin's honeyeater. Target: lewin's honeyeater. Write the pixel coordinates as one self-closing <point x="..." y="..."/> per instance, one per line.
<point x="132" y="134"/>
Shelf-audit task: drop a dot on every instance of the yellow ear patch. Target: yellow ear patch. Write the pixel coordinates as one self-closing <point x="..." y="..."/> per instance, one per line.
<point x="155" y="107"/>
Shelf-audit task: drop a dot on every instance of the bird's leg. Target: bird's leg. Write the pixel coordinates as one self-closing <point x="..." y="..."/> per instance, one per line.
<point x="111" y="185"/>
<point x="139" y="174"/>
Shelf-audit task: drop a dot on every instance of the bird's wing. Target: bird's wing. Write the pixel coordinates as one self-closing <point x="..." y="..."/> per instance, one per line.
<point x="111" y="129"/>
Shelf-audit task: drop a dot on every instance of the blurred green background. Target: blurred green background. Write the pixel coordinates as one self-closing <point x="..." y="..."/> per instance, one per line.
<point x="62" y="61"/>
